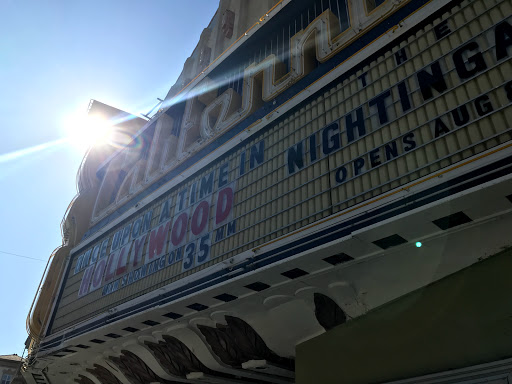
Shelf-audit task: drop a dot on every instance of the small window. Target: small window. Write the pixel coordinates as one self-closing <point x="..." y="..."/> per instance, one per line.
<point x="372" y="4"/>
<point x="6" y="379"/>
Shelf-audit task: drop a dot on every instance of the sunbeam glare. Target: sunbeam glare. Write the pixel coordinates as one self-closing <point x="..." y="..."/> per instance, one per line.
<point x="15" y="155"/>
<point x="86" y="131"/>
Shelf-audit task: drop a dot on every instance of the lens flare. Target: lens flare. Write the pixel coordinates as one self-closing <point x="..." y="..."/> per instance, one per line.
<point x="15" y="155"/>
<point x="88" y="131"/>
<point x="120" y="139"/>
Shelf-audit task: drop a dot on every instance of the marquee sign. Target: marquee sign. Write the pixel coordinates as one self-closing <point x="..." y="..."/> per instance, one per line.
<point x="206" y="115"/>
<point x="183" y="233"/>
<point x="468" y="60"/>
<point x="442" y="96"/>
<point x="180" y="229"/>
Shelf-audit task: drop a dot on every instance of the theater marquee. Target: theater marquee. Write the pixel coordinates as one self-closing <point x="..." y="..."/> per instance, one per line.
<point x="442" y="95"/>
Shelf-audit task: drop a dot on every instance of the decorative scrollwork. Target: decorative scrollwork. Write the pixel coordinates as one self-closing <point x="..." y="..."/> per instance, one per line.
<point x="83" y="380"/>
<point x="103" y="375"/>
<point x="237" y="342"/>
<point x="222" y="345"/>
<point x="176" y="357"/>
<point x="327" y="312"/>
<point x="136" y="370"/>
<point x="179" y="359"/>
<point x="247" y="339"/>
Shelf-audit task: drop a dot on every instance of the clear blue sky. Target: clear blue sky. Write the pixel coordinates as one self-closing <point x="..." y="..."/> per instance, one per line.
<point x="54" y="57"/>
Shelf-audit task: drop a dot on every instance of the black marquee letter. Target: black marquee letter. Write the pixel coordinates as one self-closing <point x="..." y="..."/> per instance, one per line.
<point x="295" y="157"/>
<point x="460" y="115"/>
<point x="374" y="157"/>
<point x="440" y="128"/>
<point x="508" y="90"/>
<point x="223" y="178"/>
<point x="404" y="96"/>
<point x="363" y="79"/>
<point x="409" y="140"/>
<point x="341" y="174"/>
<point x="205" y="185"/>
<point x="435" y="80"/>
<point x="476" y="61"/>
<point x="442" y="29"/>
<point x="330" y="139"/>
<point x="242" y="163"/>
<point x="257" y="154"/>
<point x="192" y="197"/>
<point x="483" y="105"/>
<point x="312" y="148"/>
<point x="391" y="150"/>
<point x="380" y="102"/>
<point x="350" y="125"/>
<point x="358" y="165"/>
<point x="503" y="36"/>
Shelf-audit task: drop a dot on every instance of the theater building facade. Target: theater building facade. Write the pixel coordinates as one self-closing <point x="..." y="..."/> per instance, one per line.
<point x="325" y="196"/>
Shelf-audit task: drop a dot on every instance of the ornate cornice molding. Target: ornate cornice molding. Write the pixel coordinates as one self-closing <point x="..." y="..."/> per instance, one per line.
<point x="327" y="312"/>
<point x="176" y="357"/>
<point x="83" y="380"/>
<point x="136" y="370"/>
<point x="103" y="375"/>
<point x="237" y="342"/>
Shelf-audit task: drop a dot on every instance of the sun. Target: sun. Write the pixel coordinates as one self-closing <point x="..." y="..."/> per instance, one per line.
<point x="87" y="131"/>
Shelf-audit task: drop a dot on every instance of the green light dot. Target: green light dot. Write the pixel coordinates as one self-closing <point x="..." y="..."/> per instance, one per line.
<point x="418" y="244"/>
